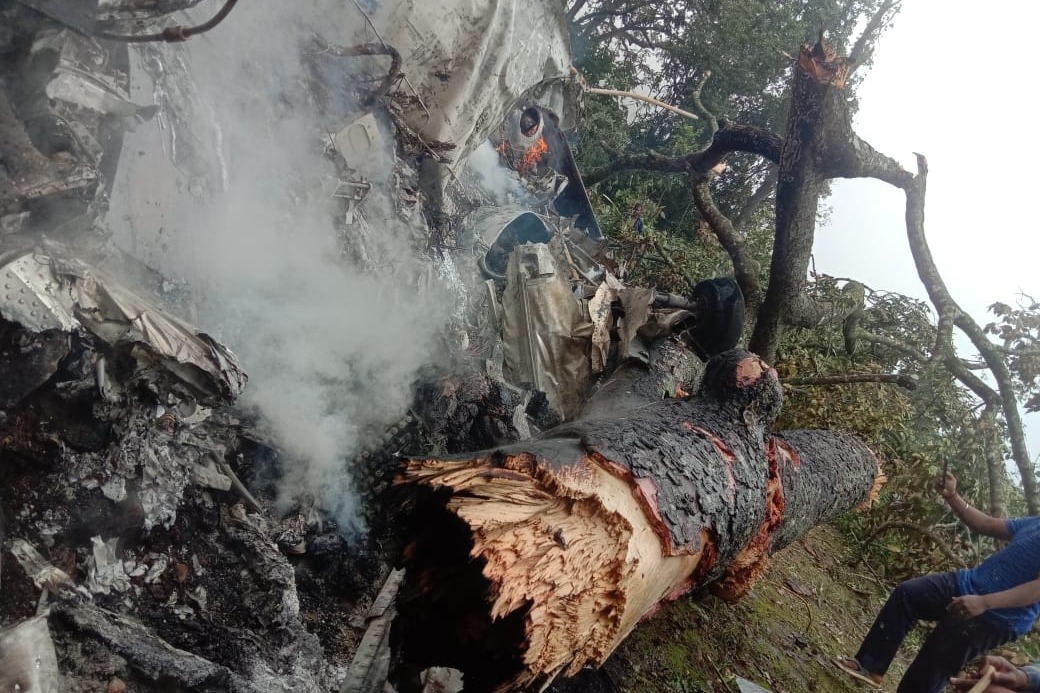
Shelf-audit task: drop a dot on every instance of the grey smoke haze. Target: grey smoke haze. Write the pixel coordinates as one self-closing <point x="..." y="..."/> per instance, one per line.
<point x="501" y="183"/>
<point x="331" y="348"/>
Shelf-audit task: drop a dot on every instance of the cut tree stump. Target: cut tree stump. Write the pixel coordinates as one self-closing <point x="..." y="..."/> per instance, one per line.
<point x="538" y="558"/>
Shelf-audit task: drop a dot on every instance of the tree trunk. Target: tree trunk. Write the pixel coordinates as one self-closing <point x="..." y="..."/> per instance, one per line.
<point x="818" y="145"/>
<point x="540" y="557"/>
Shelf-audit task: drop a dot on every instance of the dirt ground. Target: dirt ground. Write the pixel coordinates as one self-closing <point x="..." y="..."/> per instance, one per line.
<point x="810" y="606"/>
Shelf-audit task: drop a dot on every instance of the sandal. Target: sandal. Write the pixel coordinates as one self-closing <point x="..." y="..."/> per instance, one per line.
<point x="854" y="669"/>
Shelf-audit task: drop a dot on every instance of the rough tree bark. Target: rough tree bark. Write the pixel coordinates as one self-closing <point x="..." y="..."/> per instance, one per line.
<point x="540" y="557"/>
<point x="819" y="144"/>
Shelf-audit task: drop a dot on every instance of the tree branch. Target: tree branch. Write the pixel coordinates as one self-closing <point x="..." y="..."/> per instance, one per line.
<point x="641" y="97"/>
<point x="904" y="381"/>
<point x="858" y="54"/>
<point x="393" y="74"/>
<point x="700" y="108"/>
<point x="994" y="460"/>
<point x="898" y="524"/>
<point x="730" y="138"/>
<point x="945" y="304"/>
<point x="745" y="269"/>
<point x="818" y="144"/>
<point x="960" y="370"/>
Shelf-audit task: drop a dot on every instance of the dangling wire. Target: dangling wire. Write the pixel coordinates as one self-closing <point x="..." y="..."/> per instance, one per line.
<point x="173" y="34"/>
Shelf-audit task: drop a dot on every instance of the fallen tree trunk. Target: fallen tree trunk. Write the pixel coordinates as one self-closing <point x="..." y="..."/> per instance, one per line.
<point x="540" y="557"/>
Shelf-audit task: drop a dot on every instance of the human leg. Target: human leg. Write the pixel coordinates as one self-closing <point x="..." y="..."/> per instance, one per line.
<point x="921" y="599"/>
<point x="952" y="644"/>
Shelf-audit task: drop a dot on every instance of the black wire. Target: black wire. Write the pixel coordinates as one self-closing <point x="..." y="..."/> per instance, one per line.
<point x="174" y="34"/>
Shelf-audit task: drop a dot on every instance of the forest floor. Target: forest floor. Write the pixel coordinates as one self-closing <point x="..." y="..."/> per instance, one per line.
<point x="812" y="605"/>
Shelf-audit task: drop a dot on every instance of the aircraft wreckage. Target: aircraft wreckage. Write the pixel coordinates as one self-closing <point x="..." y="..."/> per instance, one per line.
<point x="521" y="500"/>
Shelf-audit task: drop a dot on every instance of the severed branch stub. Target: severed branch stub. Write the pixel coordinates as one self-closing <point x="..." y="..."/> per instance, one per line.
<point x="538" y="558"/>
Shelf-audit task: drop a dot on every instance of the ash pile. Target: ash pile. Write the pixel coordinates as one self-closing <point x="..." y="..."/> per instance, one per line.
<point x="393" y="243"/>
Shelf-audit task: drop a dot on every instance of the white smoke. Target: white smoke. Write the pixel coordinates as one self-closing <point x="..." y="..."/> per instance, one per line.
<point x="251" y="224"/>
<point x="502" y="184"/>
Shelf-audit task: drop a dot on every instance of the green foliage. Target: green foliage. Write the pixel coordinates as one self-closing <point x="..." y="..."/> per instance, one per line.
<point x="655" y="258"/>
<point x="668" y="48"/>
<point x="1018" y="329"/>
<point x="913" y="432"/>
<point x="668" y="261"/>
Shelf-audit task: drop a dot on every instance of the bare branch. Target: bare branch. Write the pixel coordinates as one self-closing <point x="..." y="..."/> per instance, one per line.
<point x="699" y="106"/>
<point x="393" y="74"/>
<point x="642" y="97"/>
<point x="904" y="381"/>
<point x="745" y="269"/>
<point x="729" y="138"/>
<point x="924" y="532"/>
<point x="992" y="445"/>
<point x="960" y="370"/>
<point x="945" y="304"/>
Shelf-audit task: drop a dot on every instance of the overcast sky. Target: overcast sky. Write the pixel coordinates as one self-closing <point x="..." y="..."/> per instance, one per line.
<point x="954" y="81"/>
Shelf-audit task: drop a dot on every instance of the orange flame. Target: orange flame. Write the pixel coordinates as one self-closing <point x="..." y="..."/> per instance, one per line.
<point x="535" y="153"/>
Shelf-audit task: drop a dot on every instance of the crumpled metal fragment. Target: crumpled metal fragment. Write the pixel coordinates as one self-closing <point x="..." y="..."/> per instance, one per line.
<point x="41" y="291"/>
<point x="546" y="332"/>
<point x="105" y="568"/>
<point x="41" y="572"/>
<point x="28" y="662"/>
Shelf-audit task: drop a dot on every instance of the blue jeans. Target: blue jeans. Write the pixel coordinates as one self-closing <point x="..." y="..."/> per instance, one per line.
<point x="952" y="643"/>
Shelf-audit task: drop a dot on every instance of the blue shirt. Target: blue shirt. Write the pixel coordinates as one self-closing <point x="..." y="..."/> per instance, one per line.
<point x="1032" y="678"/>
<point x="1015" y="564"/>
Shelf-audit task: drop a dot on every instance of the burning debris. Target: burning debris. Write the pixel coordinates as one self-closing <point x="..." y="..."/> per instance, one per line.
<point x="527" y="148"/>
<point x="141" y="498"/>
<point x="314" y="205"/>
<point x="120" y="457"/>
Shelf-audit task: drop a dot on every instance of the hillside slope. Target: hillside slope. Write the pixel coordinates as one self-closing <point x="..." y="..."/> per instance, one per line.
<point x="811" y="606"/>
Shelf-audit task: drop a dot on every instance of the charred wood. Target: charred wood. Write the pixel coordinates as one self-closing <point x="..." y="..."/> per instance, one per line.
<point x="149" y="654"/>
<point x="538" y="558"/>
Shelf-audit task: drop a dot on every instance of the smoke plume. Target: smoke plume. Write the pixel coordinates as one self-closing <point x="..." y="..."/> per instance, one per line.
<point x="234" y="192"/>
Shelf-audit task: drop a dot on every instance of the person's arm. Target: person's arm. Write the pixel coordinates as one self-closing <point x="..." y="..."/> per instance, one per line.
<point x="1007" y="678"/>
<point x="971" y="605"/>
<point x="976" y="520"/>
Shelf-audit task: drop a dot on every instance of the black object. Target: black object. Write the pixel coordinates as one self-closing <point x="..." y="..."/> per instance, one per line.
<point x="719" y="311"/>
<point x="574" y="200"/>
<point x="530" y="119"/>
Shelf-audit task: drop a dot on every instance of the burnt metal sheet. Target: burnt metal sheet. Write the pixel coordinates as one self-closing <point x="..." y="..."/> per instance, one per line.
<point x="78" y="14"/>
<point x="513" y="51"/>
<point x="546" y="332"/>
<point x="574" y="200"/>
<point x="42" y="291"/>
<point x="502" y="229"/>
<point x="28" y="659"/>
